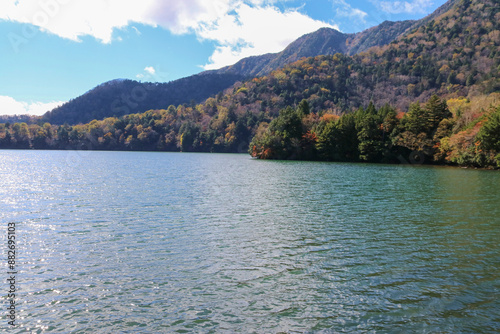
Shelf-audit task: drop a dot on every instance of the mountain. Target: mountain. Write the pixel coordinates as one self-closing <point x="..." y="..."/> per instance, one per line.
<point x="121" y="97"/>
<point x="115" y="98"/>
<point x="453" y="52"/>
<point x="325" y="41"/>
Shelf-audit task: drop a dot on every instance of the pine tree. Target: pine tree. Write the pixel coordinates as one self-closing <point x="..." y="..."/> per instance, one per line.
<point x="436" y="110"/>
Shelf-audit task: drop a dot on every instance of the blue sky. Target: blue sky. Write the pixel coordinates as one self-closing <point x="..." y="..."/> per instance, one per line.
<point x="55" y="50"/>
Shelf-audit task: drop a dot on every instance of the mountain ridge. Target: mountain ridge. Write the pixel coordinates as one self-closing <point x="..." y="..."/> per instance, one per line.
<point x="328" y="41"/>
<point x="94" y="104"/>
<point x="120" y="97"/>
<point x="324" y="41"/>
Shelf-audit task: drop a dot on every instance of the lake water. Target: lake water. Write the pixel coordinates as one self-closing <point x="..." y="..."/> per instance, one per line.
<point x="113" y="242"/>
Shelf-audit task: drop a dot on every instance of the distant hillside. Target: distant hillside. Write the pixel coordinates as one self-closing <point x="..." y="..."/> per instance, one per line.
<point x="324" y="41"/>
<point x="18" y="119"/>
<point x="382" y="34"/>
<point x="122" y="97"/>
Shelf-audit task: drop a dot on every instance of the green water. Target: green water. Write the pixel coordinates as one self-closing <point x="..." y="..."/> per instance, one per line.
<point x="177" y="243"/>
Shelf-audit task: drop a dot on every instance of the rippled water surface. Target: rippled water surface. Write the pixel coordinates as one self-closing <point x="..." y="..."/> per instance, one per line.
<point x="115" y="242"/>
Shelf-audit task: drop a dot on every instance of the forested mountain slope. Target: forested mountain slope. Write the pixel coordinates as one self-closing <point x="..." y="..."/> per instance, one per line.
<point x="455" y="54"/>
<point x="325" y="41"/>
<point x="120" y="97"/>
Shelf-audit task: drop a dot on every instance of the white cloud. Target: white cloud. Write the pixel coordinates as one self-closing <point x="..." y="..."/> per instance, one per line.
<point x="153" y="74"/>
<point x="343" y="9"/>
<point x="150" y="69"/>
<point x="187" y="15"/>
<point x="409" y="7"/>
<point x="9" y="106"/>
<point x="239" y="27"/>
<point x="72" y="19"/>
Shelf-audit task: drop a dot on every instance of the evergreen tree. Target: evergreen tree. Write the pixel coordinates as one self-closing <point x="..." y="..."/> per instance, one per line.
<point x="489" y="135"/>
<point x="436" y="111"/>
<point x="304" y="108"/>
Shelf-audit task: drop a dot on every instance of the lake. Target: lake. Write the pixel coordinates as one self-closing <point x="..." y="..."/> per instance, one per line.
<point x="131" y="242"/>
